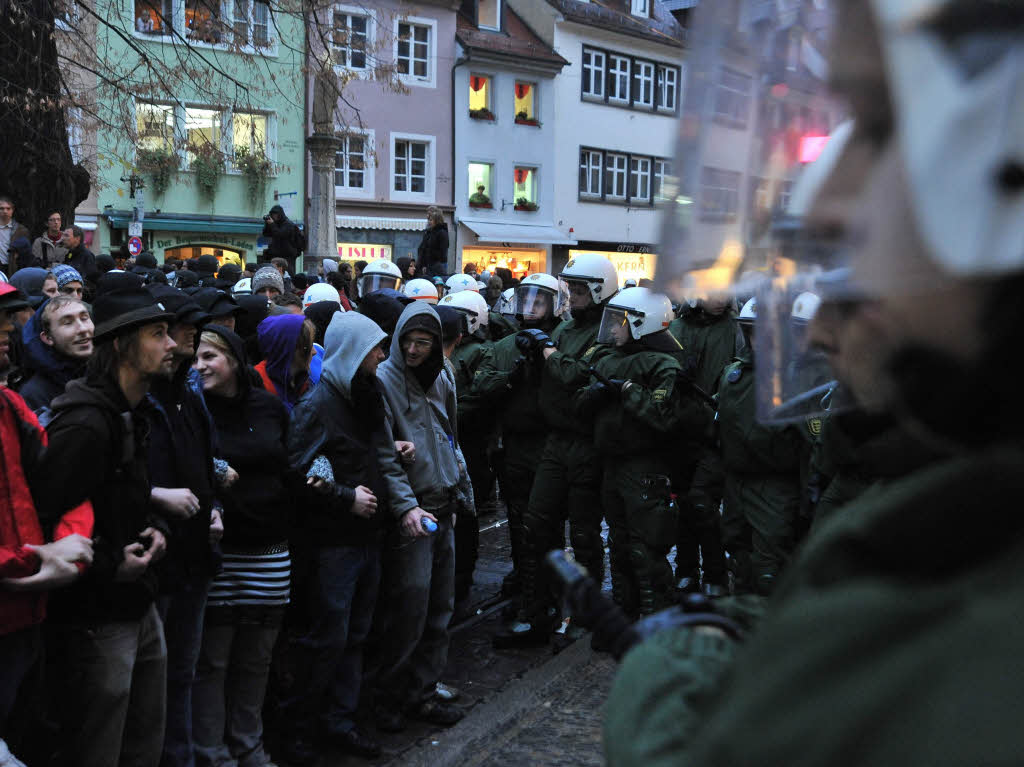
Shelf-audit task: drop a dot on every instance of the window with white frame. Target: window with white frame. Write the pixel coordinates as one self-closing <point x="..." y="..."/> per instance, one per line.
<point x="154" y="17"/>
<point x="480" y="97"/>
<point x="249" y="134"/>
<point x="202" y="132"/>
<point x="349" y="37"/>
<point x="351" y="163"/>
<point x="732" y="97"/>
<point x="618" y="78"/>
<point x="643" y="83"/>
<point x="661" y="180"/>
<point x="593" y="73"/>
<point x="413" y="50"/>
<point x="668" y="88"/>
<point x="719" y="193"/>
<point x="590" y="172"/>
<point x="411" y="164"/>
<point x="205" y="22"/>
<point x="619" y="177"/>
<point x="640" y="178"/>
<point x="488" y="14"/>
<point x="525" y="187"/>
<point x="154" y="126"/>
<point x="251" y="22"/>
<point x="480" y="174"/>
<point x="640" y="8"/>
<point x="615" y="176"/>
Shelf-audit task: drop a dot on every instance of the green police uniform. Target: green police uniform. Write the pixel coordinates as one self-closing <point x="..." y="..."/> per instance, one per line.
<point x="893" y="639"/>
<point x="475" y="429"/>
<point x="762" y="467"/>
<point x="709" y="343"/>
<point x="637" y="434"/>
<point x="509" y="383"/>
<point x="568" y="478"/>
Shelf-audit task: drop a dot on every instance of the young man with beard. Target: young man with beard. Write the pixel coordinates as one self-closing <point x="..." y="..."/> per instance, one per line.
<point x="58" y="343"/>
<point x="181" y="468"/>
<point x="112" y="658"/>
<point x="419" y="565"/>
<point x="335" y="433"/>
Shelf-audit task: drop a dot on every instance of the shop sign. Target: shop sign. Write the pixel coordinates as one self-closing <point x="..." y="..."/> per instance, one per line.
<point x="630" y="265"/>
<point x="203" y="238"/>
<point x="363" y="251"/>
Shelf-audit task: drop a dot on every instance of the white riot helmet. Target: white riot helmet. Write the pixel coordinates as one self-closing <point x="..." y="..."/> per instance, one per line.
<point x="507" y="303"/>
<point x="421" y="290"/>
<point x="481" y="286"/>
<point x="805" y="306"/>
<point x="470" y="304"/>
<point x="635" y="314"/>
<point x="484" y="276"/>
<point x="378" y="275"/>
<point x="538" y="298"/>
<point x="320" y="291"/>
<point x="242" y="288"/>
<point x="596" y="271"/>
<point x="458" y="282"/>
<point x="749" y="312"/>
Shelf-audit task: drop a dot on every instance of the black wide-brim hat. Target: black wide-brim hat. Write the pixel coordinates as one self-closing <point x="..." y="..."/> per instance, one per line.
<point x="120" y="311"/>
<point x="185" y="308"/>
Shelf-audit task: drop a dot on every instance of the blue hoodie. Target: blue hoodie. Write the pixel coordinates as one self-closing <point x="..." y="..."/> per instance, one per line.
<point x="50" y="371"/>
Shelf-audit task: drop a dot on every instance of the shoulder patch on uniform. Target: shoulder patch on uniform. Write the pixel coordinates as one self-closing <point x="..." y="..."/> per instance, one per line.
<point x="814" y="426"/>
<point x="659" y="395"/>
<point x="589" y="352"/>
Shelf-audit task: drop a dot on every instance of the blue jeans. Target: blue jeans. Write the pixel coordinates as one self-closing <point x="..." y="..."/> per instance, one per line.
<point x="182" y="614"/>
<point x="418" y="600"/>
<point x="328" y="659"/>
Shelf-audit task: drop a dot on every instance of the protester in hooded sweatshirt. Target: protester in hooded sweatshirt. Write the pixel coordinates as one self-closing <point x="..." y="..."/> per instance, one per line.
<point x="58" y="344"/>
<point x="29" y="566"/>
<point x="248" y="598"/>
<point x="286" y="343"/>
<point x="335" y="434"/>
<point x="419" y="566"/>
<point x="181" y="469"/>
<point x="112" y="660"/>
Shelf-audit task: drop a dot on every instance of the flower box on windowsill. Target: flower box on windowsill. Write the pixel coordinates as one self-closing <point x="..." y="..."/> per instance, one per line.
<point x="526" y="206"/>
<point x="485" y="205"/>
<point x="481" y="114"/>
<point x="527" y="121"/>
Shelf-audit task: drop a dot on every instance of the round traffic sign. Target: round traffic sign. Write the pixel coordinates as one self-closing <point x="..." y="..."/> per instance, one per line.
<point x="135" y="245"/>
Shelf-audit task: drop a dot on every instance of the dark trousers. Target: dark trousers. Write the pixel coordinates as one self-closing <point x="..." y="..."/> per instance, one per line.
<point x="113" y="678"/>
<point x="522" y="451"/>
<point x="567" y="482"/>
<point x="327" y="659"/>
<point x="416" y="605"/>
<point x="467" y="531"/>
<point x="182" y="616"/>
<point x="19" y="652"/>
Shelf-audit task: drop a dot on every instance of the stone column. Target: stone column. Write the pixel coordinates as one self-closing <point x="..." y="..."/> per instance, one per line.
<point x="323" y="240"/>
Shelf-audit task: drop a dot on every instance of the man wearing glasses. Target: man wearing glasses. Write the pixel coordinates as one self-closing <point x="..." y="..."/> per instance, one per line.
<point x="49" y="248"/>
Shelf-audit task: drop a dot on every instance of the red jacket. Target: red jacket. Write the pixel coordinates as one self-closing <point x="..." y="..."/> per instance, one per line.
<point x="21" y="441"/>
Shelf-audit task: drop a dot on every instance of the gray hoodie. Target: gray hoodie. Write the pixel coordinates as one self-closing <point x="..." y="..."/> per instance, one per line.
<point x="424" y="417"/>
<point x="349" y="338"/>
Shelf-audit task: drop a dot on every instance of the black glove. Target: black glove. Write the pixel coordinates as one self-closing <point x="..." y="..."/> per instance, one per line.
<point x="593" y="397"/>
<point x="533" y="341"/>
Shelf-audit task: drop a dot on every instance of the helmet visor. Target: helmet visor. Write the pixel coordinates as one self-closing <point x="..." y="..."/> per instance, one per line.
<point x="369" y="283"/>
<point x="534" y="304"/>
<point x="615" y="329"/>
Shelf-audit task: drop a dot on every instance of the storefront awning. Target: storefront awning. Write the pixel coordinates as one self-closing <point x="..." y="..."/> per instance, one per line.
<point x="119" y="219"/>
<point x="380" y="222"/>
<point x="487" y="231"/>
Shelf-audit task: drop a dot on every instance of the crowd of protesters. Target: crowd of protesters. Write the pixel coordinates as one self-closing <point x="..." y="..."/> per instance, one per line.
<point x="225" y="484"/>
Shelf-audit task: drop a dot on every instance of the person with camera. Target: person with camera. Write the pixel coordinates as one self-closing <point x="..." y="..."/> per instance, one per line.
<point x="286" y="239"/>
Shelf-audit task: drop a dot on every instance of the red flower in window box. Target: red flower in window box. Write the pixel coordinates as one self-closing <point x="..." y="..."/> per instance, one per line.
<point x="523" y="119"/>
<point x="481" y="205"/>
<point x="481" y="114"/>
<point x="523" y="204"/>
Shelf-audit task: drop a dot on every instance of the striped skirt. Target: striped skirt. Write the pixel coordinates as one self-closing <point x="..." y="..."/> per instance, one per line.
<point x="256" y="576"/>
